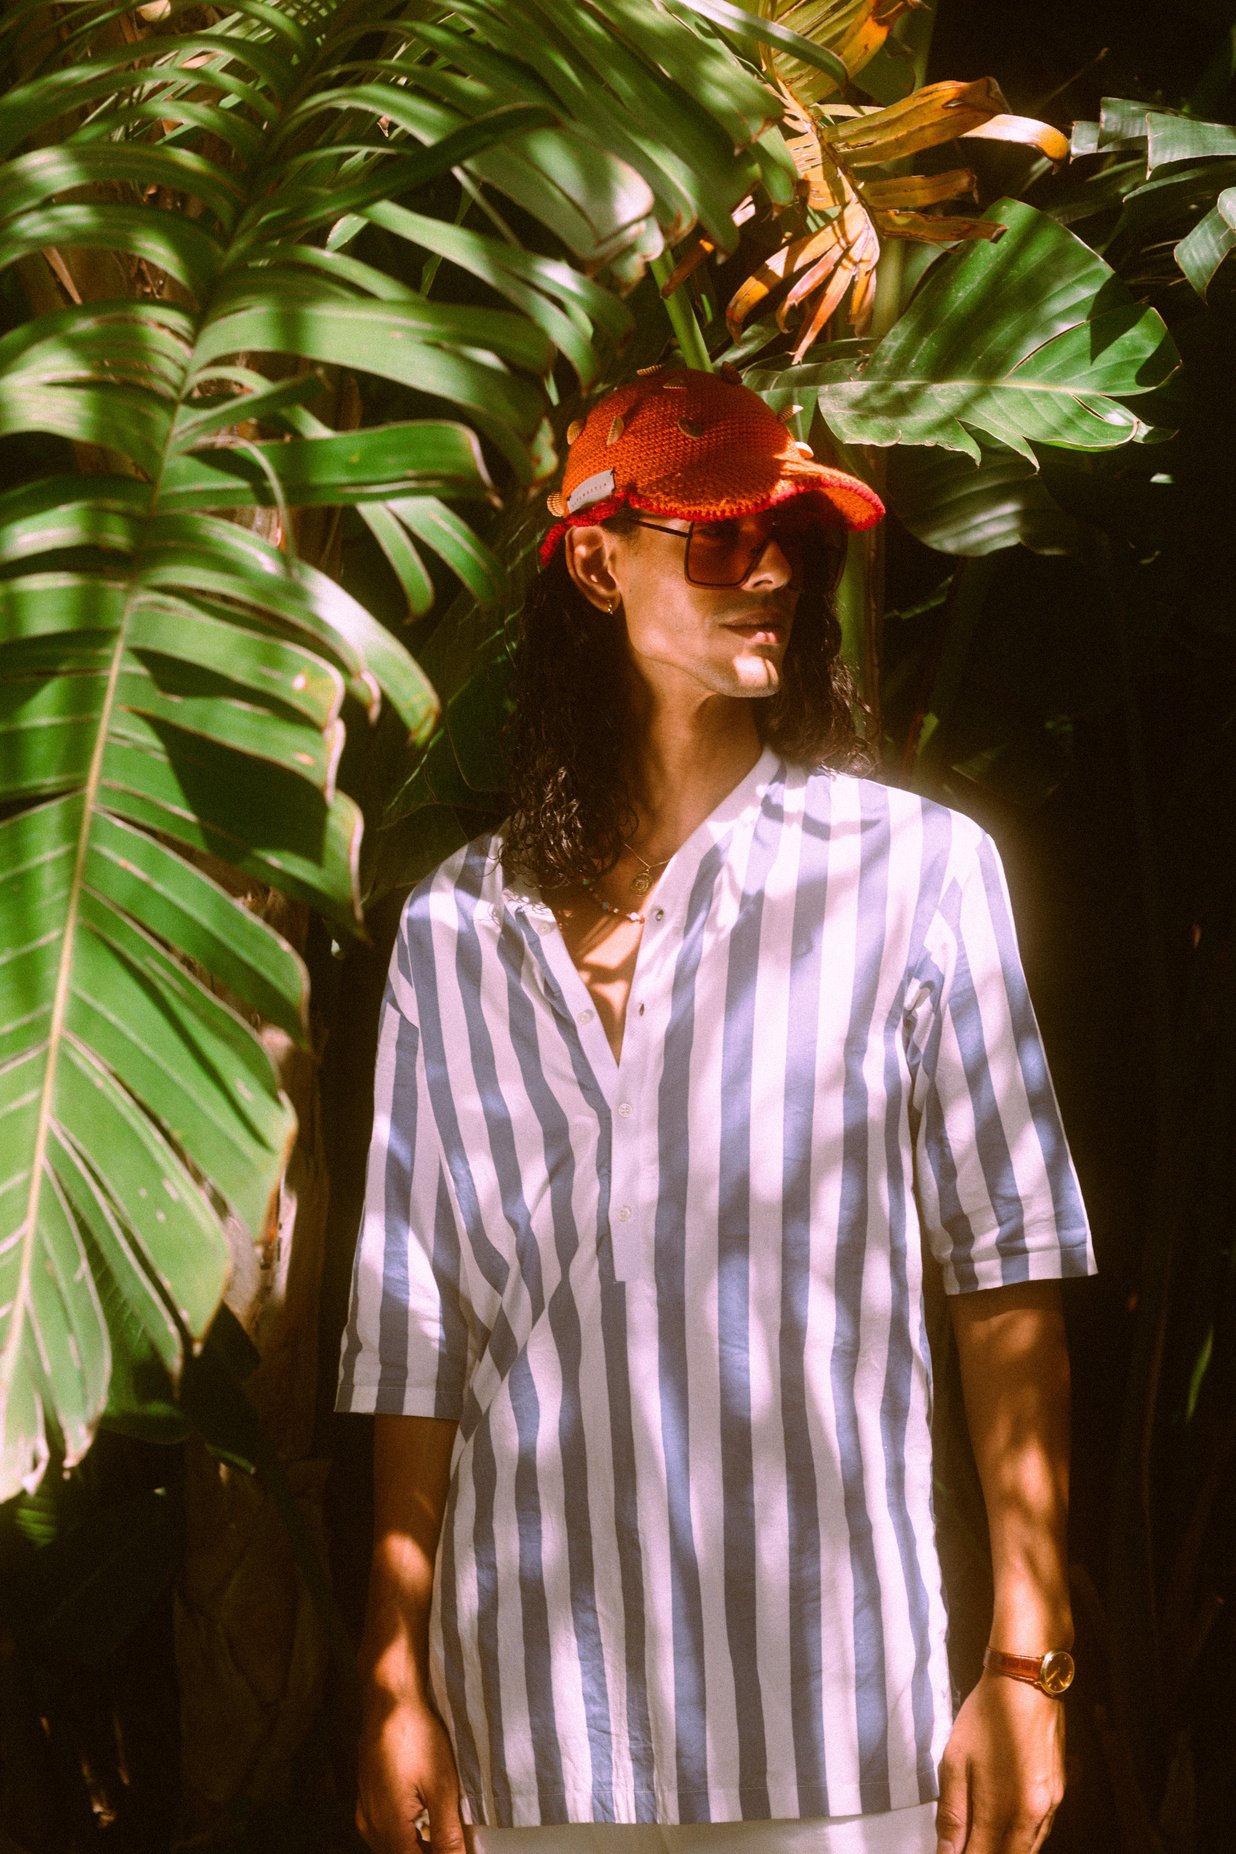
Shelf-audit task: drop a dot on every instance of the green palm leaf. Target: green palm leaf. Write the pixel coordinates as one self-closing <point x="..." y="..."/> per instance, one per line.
<point x="300" y="193"/>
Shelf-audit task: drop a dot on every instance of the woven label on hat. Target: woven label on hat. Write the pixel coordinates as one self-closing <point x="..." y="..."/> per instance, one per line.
<point x="592" y="489"/>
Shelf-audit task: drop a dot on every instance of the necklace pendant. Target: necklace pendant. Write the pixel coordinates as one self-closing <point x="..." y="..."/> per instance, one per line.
<point x="641" y="883"/>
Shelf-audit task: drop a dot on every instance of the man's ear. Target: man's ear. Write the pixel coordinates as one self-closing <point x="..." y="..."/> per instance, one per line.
<point x="587" y="551"/>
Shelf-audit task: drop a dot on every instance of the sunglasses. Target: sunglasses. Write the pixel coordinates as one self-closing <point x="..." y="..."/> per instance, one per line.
<point x="725" y="553"/>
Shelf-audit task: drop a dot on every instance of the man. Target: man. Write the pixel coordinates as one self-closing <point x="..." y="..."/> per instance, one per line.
<point x="676" y="1075"/>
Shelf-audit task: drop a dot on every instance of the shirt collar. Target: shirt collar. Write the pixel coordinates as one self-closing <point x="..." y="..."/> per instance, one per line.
<point x="521" y="894"/>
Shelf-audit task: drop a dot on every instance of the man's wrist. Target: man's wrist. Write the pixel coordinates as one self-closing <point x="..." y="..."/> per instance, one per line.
<point x="394" y="1675"/>
<point x="1031" y="1636"/>
<point x="1051" y="1672"/>
<point x="1030" y="1615"/>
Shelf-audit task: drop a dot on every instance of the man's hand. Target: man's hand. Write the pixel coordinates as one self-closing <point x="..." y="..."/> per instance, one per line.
<point x="1002" y="1773"/>
<point x="406" y="1770"/>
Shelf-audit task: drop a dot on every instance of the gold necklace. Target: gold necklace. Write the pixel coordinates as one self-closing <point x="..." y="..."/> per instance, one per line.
<point x="608" y="907"/>
<point x="641" y="883"/>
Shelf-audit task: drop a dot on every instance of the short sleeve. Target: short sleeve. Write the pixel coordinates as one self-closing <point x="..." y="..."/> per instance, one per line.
<point x="996" y="1186"/>
<point x="405" y="1348"/>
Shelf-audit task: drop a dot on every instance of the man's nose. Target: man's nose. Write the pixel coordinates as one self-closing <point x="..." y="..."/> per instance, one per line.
<point x="772" y="569"/>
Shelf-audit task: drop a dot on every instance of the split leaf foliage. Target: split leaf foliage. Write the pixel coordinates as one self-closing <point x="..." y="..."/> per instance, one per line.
<point x="1031" y="339"/>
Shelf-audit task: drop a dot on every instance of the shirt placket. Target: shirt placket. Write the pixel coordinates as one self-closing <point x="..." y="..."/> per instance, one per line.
<point x="633" y="1150"/>
<point x="631" y="1087"/>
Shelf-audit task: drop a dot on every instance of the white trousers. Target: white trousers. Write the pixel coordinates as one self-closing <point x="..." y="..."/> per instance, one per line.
<point x="901" y="1831"/>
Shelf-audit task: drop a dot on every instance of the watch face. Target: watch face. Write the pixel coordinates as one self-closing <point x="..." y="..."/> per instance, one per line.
<point x="1056" y="1672"/>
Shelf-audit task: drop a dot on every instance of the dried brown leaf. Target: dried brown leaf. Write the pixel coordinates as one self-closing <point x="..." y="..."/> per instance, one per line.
<point x="824" y="309"/>
<point x="910" y="191"/>
<point x="836" y="261"/>
<point x="762" y="282"/>
<point x="862" y="301"/>
<point x="848" y="239"/>
<point x="1026" y="129"/>
<point x="937" y="113"/>
<point x="938" y="231"/>
<point x="831" y="146"/>
<point x="870" y="29"/>
<point x="688" y="264"/>
<point x="828" y="189"/>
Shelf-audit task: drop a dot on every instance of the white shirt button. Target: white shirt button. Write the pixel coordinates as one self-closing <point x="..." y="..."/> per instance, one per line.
<point x="586" y="1017"/>
<point x="658" y="914"/>
<point x="624" y="1108"/>
<point x="624" y="1213"/>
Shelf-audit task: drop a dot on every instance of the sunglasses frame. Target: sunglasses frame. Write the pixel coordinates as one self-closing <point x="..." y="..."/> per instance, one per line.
<point x="686" y="534"/>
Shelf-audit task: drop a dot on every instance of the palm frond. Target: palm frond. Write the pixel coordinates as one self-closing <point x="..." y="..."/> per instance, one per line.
<point x="219" y="223"/>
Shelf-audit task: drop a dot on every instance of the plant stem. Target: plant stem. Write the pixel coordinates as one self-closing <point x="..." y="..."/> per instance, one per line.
<point x="687" y="331"/>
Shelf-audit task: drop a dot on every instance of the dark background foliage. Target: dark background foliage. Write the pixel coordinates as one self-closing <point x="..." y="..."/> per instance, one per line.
<point x="1123" y="879"/>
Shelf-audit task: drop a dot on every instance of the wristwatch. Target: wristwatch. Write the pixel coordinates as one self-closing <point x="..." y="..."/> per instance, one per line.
<point x="1052" y="1673"/>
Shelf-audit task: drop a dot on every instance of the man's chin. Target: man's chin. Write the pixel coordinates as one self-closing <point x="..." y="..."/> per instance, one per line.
<point x="757" y="676"/>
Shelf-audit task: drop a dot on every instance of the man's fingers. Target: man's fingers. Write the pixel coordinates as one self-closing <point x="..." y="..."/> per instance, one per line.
<point x="383" y="1838"/>
<point x="989" y="1832"/>
<point x="1041" y="1833"/>
<point x="445" y="1827"/>
<point x="952" y="1810"/>
<point x="435" y="1826"/>
<point x="1041" y="1816"/>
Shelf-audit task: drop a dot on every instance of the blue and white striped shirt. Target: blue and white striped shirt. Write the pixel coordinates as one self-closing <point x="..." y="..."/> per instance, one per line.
<point x="687" y="1569"/>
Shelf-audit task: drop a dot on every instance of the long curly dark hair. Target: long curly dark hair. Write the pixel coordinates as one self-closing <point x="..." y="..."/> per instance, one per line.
<point x="567" y="745"/>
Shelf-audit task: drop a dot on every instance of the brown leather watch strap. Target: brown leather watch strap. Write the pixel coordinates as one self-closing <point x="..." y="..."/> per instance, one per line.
<point x="1052" y="1673"/>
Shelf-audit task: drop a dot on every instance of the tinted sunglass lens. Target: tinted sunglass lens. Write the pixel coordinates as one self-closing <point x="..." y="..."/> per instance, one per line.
<point x="723" y="555"/>
<point x="707" y="570"/>
<point x="715" y="555"/>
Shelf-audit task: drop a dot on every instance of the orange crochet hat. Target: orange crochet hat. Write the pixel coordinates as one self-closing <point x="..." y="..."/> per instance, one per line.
<point x="696" y="446"/>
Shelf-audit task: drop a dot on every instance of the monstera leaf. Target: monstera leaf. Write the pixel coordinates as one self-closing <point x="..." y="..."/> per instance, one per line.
<point x="242" y="235"/>
<point x="1027" y="339"/>
<point x="961" y="507"/>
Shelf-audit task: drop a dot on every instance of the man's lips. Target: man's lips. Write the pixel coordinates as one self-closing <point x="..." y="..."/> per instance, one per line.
<point x="771" y="620"/>
<point x="769" y="625"/>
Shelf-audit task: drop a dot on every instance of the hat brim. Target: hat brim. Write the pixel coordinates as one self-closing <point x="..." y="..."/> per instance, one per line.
<point x="843" y="499"/>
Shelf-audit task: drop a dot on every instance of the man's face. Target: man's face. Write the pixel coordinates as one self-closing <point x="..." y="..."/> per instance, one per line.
<point x="697" y="640"/>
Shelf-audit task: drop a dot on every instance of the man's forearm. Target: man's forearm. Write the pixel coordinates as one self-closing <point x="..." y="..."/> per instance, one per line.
<point x="405" y="1767"/>
<point x="1002" y="1774"/>
<point x="411" y="1474"/>
<point x="393" y="1653"/>
<point x="1015" y="1376"/>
